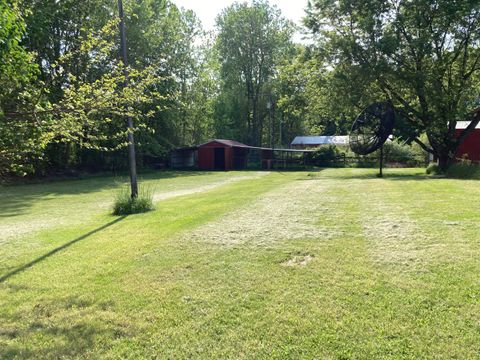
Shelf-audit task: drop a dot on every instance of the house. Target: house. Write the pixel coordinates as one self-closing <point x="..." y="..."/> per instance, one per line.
<point x="470" y="147"/>
<point x="304" y="142"/>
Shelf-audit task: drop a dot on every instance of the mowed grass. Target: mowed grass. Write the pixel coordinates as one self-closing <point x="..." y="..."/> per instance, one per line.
<point x="331" y="264"/>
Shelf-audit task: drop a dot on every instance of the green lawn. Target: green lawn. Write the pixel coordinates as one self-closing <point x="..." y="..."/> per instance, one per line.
<point x="331" y="264"/>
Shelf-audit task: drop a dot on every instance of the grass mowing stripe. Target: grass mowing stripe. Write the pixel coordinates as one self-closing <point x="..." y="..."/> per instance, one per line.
<point x="143" y="288"/>
<point x="172" y="215"/>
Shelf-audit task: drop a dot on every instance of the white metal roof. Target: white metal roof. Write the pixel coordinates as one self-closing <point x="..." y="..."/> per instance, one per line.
<point x="320" y="140"/>
<point x="463" y="125"/>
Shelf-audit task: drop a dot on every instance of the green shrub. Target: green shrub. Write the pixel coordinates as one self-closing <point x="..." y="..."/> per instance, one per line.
<point x="394" y="152"/>
<point x="433" y="169"/>
<point x="125" y="205"/>
<point x="324" y="156"/>
<point x="463" y="170"/>
<point x="404" y="154"/>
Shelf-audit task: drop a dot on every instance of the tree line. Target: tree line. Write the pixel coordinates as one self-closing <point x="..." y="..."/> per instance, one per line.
<point x="63" y="104"/>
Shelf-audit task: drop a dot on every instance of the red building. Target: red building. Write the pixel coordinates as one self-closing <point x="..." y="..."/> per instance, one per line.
<point x="223" y="155"/>
<point x="470" y="147"/>
<point x="228" y="155"/>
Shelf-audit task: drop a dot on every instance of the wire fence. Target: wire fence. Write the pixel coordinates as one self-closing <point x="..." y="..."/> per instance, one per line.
<point x="344" y="160"/>
<point x="388" y="161"/>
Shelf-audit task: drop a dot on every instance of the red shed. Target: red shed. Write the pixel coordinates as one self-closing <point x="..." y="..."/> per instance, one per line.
<point x="471" y="145"/>
<point x="221" y="154"/>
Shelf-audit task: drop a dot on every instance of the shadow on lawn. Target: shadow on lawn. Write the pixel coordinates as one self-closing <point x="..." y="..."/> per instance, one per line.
<point x="66" y="340"/>
<point x="60" y="327"/>
<point x="16" y="198"/>
<point x="28" y="265"/>
<point x="386" y="176"/>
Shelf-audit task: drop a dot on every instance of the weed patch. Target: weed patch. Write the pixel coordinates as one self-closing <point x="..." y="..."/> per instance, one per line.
<point x="124" y="204"/>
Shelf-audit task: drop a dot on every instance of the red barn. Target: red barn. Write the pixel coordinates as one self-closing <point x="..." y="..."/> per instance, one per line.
<point x="470" y="147"/>
<point x="228" y="155"/>
<point x="223" y="155"/>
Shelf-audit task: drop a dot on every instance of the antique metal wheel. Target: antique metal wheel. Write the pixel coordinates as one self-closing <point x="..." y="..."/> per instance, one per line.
<point x="372" y="128"/>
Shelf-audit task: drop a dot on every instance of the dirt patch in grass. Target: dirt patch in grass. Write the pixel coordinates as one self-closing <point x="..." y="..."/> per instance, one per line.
<point x="298" y="261"/>
<point x="289" y="212"/>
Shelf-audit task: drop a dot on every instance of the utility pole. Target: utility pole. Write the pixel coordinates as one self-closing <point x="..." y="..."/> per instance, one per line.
<point x="131" y="142"/>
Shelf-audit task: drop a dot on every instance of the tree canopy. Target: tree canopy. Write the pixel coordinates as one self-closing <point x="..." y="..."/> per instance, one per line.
<point x="16" y="91"/>
<point x="252" y="41"/>
<point x="62" y="100"/>
<point x="423" y="55"/>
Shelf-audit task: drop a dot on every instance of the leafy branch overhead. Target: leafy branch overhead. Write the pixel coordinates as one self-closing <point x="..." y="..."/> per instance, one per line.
<point x="91" y="109"/>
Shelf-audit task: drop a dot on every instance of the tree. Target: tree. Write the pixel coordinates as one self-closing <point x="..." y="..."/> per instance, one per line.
<point x="72" y="57"/>
<point x="306" y="100"/>
<point x="251" y="42"/>
<point x="166" y="38"/>
<point x="17" y="72"/>
<point x="55" y="28"/>
<point x="423" y="55"/>
<point x="90" y="111"/>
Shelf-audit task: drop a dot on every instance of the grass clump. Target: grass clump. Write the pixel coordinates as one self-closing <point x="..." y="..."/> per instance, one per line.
<point x="124" y="204"/>
<point x="463" y="170"/>
<point x="433" y="169"/>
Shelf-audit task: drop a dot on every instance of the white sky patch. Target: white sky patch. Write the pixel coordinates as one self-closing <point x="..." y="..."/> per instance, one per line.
<point x="208" y="10"/>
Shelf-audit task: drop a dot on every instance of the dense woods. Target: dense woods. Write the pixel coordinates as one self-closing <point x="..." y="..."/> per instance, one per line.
<point x="63" y="104"/>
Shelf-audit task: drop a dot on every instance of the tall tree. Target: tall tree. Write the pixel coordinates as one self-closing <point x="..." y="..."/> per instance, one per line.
<point x="89" y="111"/>
<point x="17" y="76"/>
<point x="306" y="100"/>
<point x="162" y="47"/>
<point x="54" y="28"/>
<point x="251" y="42"/>
<point x="424" y="55"/>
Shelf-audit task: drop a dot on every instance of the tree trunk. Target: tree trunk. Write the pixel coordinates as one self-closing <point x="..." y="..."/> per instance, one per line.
<point x="444" y="160"/>
<point x="255" y="125"/>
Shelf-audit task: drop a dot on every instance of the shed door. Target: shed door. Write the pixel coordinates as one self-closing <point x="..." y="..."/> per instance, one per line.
<point x="219" y="158"/>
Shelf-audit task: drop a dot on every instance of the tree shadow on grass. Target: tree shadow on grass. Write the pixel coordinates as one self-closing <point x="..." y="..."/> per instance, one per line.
<point x="396" y="176"/>
<point x="66" y="341"/>
<point x="17" y="198"/>
<point x="56" y="328"/>
<point x="28" y="265"/>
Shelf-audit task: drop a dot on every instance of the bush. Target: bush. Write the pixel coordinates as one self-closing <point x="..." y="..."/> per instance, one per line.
<point x="324" y="156"/>
<point x="125" y="205"/>
<point x="404" y="154"/>
<point x="463" y="170"/>
<point x="395" y="154"/>
<point x="433" y="169"/>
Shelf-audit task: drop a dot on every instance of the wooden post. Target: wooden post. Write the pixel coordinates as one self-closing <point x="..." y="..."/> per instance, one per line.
<point x="131" y="142"/>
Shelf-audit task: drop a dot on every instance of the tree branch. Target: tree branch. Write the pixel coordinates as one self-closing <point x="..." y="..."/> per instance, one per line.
<point x="400" y="99"/>
<point x="423" y="146"/>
